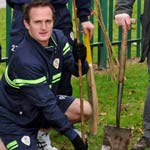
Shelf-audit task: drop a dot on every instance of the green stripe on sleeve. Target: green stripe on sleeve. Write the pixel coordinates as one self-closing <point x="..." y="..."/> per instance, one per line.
<point x="8" y="79"/>
<point x="21" y="82"/>
<point x="56" y="78"/>
<point x="66" y="48"/>
<point x="17" y="83"/>
<point x="12" y="145"/>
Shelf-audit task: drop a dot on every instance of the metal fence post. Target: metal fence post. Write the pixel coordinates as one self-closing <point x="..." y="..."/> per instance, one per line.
<point x="102" y="55"/>
<point x="138" y="28"/>
<point x="8" y="26"/>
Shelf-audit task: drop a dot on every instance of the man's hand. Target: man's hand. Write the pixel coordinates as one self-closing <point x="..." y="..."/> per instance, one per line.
<point x="87" y="26"/>
<point x="79" y="51"/>
<point x="123" y="20"/>
<point x="79" y="144"/>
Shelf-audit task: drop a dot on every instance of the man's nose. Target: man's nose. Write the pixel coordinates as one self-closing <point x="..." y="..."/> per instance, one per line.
<point x="43" y="26"/>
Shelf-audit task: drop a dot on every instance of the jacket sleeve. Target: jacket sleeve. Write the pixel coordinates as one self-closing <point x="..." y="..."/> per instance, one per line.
<point x="37" y="94"/>
<point x="124" y="6"/>
<point x="40" y="96"/>
<point x="11" y="3"/>
<point x="83" y="9"/>
<point x="69" y="63"/>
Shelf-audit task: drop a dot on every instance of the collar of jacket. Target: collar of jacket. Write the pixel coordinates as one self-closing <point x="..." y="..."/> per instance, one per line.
<point x="52" y="45"/>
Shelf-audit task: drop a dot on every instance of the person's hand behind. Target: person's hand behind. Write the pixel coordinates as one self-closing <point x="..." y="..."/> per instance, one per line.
<point x="123" y="20"/>
<point x="87" y="26"/>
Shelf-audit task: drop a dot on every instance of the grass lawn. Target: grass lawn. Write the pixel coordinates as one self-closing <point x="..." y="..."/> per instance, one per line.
<point x="135" y="85"/>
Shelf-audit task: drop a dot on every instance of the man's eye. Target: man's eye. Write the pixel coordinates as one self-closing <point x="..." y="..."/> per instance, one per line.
<point x="37" y="22"/>
<point x="49" y="21"/>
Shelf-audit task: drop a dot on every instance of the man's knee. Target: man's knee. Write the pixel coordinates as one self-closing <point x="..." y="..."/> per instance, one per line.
<point x="87" y="110"/>
<point x="74" y="113"/>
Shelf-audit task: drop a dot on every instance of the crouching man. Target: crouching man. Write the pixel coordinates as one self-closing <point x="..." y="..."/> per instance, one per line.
<point x="28" y="89"/>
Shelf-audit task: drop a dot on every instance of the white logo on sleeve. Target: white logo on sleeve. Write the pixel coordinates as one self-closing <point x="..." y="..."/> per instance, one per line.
<point x="72" y="35"/>
<point x="25" y="140"/>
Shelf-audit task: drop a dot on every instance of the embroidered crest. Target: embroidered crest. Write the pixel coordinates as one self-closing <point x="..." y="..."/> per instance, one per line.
<point x="56" y="63"/>
<point x="26" y="140"/>
<point x="72" y="35"/>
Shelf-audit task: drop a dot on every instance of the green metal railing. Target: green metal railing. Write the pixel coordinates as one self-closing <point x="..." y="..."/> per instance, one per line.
<point x="98" y="41"/>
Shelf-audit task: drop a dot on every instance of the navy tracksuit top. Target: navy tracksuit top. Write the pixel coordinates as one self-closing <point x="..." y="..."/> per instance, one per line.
<point x="29" y="84"/>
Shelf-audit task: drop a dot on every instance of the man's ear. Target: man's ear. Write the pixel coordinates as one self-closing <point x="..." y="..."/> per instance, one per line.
<point x="26" y="24"/>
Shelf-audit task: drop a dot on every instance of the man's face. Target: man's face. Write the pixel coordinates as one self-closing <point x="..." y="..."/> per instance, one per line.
<point x="40" y="24"/>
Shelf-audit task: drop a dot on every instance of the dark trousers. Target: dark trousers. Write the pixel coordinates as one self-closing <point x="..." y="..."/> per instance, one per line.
<point x="146" y="115"/>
